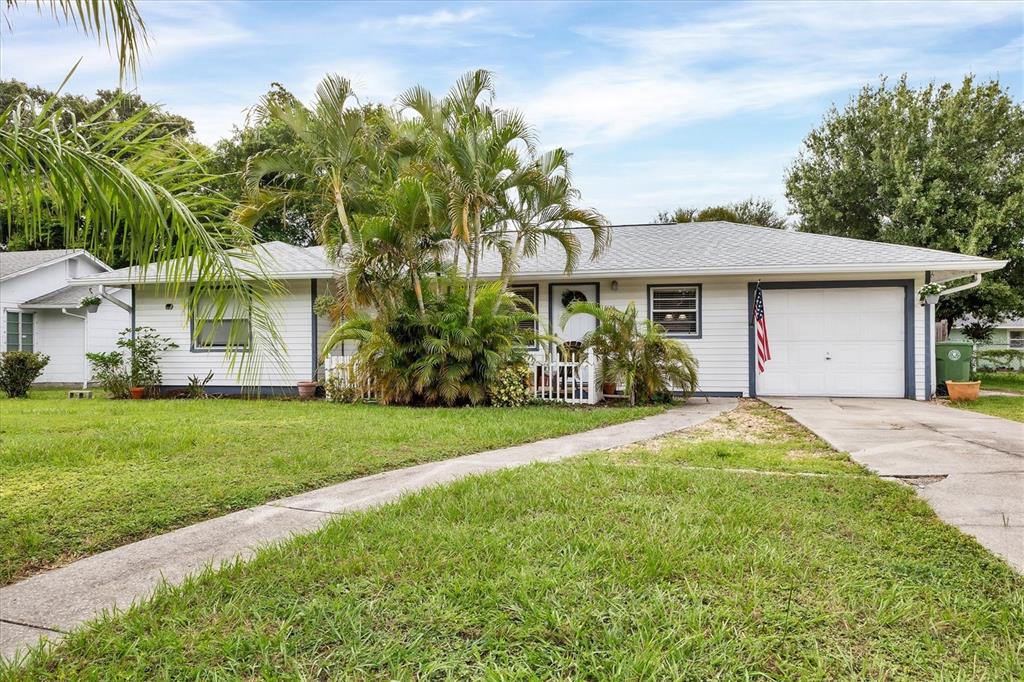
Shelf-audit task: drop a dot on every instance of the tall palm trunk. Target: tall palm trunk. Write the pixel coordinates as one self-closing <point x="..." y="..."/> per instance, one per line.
<point x="475" y="248"/>
<point x="339" y="205"/>
<point x="417" y="287"/>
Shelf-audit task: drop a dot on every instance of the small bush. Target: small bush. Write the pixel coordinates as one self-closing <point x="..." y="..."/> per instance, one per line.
<point x="112" y="373"/>
<point x="338" y="389"/>
<point x="18" y="369"/>
<point x="512" y="388"/>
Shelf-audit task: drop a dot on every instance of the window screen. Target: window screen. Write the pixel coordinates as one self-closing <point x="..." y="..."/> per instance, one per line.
<point x="229" y="329"/>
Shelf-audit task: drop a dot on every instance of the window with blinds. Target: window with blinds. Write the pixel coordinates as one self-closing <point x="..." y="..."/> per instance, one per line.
<point x="676" y="308"/>
<point x="220" y="325"/>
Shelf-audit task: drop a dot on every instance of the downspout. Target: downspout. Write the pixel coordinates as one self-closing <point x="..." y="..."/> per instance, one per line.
<point x="85" y="345"/>
<point x="963" y="287"/>
<point x="114" y="299"/>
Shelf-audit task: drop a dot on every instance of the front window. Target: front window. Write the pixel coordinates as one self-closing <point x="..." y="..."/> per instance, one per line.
<point x="527" y="302"/>
<point x="1017" y="338"/>
<point x="20" y="331"/>
<point x="676" y="308"/>
<point x="219" y="324"/>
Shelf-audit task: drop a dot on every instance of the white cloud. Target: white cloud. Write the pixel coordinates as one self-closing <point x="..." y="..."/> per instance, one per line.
<point x="758" y="56"/>
<point x="437" y="19"/>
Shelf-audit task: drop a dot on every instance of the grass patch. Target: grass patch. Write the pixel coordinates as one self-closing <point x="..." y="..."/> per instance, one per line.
<point x="754" y="436"/>
<point x="1007" y="407"/>
<point x="593" y="568"/>
<point x="78" y="477"/>
<point x="1002" y="381"/>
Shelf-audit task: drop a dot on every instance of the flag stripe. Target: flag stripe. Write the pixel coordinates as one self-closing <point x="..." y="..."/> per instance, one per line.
<point x="762" y="347"/>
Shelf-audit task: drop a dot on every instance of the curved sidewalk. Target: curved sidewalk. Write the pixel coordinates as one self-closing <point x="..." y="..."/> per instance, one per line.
<point x="52" y="603"/>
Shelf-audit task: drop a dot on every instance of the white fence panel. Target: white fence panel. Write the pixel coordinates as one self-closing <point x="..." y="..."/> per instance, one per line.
<point x="572" y="379"/>
<point x="341" y="365"/>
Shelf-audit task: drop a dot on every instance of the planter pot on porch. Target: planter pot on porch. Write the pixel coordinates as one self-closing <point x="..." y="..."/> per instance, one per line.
<point x="92" y="308"/>
<point x="138" y="392"/>
<point x="307" y="389"/>
<point x="932" y="300"/>
<point x="963" y="390"/>
<point x="608" y="388"/>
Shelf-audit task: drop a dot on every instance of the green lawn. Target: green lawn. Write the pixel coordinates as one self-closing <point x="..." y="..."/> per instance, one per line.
<point x="1007" y="407"/>
<point x="1002" y="381"/>
<point x="627" y="565"/>
<point x="78" y="477"/>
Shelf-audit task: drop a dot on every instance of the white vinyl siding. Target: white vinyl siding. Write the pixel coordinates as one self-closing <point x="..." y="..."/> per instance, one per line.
<point x="676" y="308"/>
<point x="275" y="363"/>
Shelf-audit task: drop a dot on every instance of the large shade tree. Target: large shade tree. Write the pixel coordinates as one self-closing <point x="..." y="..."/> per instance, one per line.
<point x="751" y="211"/>
<point x="939" y="167"/>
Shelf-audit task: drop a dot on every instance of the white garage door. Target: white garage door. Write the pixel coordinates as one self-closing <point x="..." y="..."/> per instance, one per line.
<point x="835" y="342"/>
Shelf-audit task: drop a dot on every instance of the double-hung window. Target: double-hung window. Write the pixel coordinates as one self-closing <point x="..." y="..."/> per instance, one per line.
<point x="220" y="323"/>
<point x="1016" y="338"/>
<point x="20" y="331"/>
<point x="527" y="302"/>
<point x="676" y="307"/>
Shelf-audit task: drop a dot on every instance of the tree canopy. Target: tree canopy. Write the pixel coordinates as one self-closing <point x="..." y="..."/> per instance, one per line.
<point x="939" y="167"/>
<point x="752" y="211"/>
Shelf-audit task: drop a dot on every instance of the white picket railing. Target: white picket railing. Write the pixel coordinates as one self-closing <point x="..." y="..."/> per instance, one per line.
<point x="572" y="379"/>
<point x="341" y="365"/>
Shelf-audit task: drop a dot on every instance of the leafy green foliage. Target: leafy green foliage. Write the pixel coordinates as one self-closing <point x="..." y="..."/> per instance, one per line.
<point x="939" y="167"/>
<point x="638" y="353"/>
<point x="512" y="387"/>
<point x="18" y="369"/>
<point x="752" y="211"/>
<point x="438" y="356"/>
<point x="143" y="345"/>
<point x="1002" y="358"/>
<point x="196" y="388"/>
<point x="112" y="372"/>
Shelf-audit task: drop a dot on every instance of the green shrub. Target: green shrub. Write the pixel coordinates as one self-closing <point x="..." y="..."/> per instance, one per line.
<point x="437" y="356"/>
<point x="512" y="388"/>
<point x="18" y="369"/>
<point x="144" y="346"/>
<point x="112" y="373"/>
<point x="341" y="389"/>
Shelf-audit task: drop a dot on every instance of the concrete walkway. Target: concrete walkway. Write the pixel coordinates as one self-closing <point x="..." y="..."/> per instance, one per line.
<point x="52" y="603"/>
<point x="968" y="466"/>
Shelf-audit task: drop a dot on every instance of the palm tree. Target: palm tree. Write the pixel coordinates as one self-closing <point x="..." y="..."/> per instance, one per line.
<point x="473" y="155"/>
<point x="542" y="208"/>
<point x="146" y="196"/>
<point x="638" y="353"/>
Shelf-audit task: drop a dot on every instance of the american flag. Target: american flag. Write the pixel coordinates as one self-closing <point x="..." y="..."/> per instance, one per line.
<point x="761" y="347"/>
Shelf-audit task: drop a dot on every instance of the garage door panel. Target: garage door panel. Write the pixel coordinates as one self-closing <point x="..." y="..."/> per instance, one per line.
<point x="838" y="341"/>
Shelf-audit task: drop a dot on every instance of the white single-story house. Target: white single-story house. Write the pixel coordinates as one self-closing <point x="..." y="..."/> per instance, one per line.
<point x="42" y="310"/>
<point x="843" y="315"/>
<point x="1006" y="335"/>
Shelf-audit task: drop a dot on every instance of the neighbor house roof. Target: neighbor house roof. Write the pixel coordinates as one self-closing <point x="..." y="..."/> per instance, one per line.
<point x="14" y="263"/>
<point x="1013" y="323"/>
<point x="721" y="248"/>
<point x="277" y="259"/>
<point x="65" y="297"/>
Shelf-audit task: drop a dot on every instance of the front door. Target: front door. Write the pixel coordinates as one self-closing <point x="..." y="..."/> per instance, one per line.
<point x="561" y="296"/>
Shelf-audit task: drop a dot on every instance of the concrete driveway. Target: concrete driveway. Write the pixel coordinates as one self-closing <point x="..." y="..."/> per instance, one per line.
<point x="968" y="466"/>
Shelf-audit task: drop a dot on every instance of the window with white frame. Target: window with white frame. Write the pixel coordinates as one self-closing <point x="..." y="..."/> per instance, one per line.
<point x="219" y="324"/>
<point x="1017" y="338"/>
<point x="527" y="302"/>
<point x="20" y="331"/>
<point x="675" y="307"/>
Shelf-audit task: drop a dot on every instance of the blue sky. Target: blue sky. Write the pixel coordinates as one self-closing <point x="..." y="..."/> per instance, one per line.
<point x="662" y="104"/>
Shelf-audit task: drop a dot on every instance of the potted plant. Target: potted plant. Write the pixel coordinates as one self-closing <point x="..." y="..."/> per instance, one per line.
<point x="929" y="293"/>
<point x="307" y="389"/>
<point x="144" y="346"/>
<point x="90" y="303"/>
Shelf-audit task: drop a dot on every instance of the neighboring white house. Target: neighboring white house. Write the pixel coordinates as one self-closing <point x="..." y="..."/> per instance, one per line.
<point x="1006" y="335"/>
<point x="843" y="314"/>
<point x="42" y="312"/>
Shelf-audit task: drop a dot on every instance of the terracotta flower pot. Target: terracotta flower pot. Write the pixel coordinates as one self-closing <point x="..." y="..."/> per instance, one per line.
<point x="963" y="390"/>
<point x="307" y="389"/>
<point x="608" y="387"/>
<point x="138" y="392"/>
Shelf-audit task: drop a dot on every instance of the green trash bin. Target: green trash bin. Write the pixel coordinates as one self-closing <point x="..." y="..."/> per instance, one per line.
<point x="952" y="362"/>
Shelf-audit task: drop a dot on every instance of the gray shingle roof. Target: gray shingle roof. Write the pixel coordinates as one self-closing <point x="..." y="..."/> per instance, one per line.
<point x="721" y="247"/>
<point x="13" y="262"/>
<point x="280" y="260"/>
<point x="65" y="297"/>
